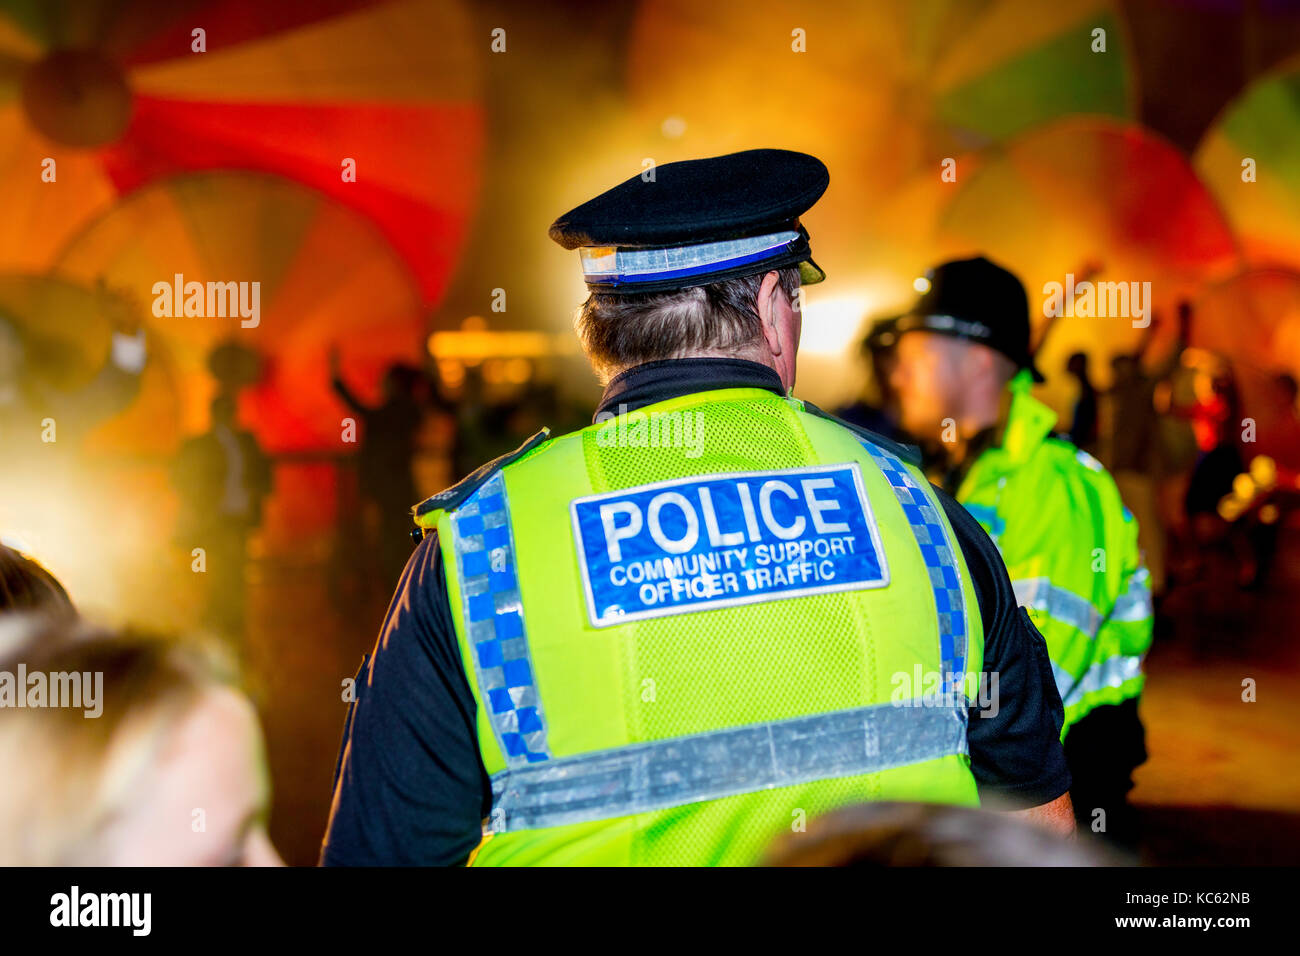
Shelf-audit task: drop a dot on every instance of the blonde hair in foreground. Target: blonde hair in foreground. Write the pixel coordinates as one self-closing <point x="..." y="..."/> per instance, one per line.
<point x="73" y="778"/>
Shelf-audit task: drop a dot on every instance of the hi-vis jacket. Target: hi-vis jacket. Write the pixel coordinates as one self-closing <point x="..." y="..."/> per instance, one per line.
<point x="1071" y="550"/>
<point x="682" y="649"/>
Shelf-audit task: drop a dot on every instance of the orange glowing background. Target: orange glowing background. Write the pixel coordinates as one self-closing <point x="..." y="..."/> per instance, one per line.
<point x="235" y="163"/>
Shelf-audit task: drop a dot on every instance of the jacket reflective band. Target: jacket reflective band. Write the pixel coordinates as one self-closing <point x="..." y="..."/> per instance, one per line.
<point x="945" y="580"/>
<point x="644" y="777"/>
<point x="1040" y="594"/>
<point x="1135" y="603"/>
<point x="615" y="264"/>
<point x="1112" y="672"/>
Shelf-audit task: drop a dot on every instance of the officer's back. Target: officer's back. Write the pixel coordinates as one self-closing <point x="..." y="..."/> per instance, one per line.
<point x="709" y="615"/>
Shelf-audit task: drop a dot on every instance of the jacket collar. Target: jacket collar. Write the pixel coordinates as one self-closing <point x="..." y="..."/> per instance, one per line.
<point x="1028" y="422"/>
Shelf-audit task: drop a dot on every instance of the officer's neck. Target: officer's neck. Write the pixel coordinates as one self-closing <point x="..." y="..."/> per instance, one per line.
<point x="665" y="379"/>
<point x="987" y="407"/>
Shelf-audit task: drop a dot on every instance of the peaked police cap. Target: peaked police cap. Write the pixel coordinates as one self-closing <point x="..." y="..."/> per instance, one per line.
<point x="696" y="222"/>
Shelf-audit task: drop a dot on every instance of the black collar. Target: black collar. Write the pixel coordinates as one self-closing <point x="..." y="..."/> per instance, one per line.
<point x="656" y="382"/>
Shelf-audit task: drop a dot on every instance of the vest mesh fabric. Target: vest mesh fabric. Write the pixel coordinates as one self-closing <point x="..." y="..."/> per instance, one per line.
<point x="678" y="651"/>
<point x="704" y="671"/>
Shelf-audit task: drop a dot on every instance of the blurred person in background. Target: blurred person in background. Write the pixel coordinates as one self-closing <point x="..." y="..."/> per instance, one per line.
<point x="891" y="834"/>
<point x="1083" y="416"/>
<point x="222" y="478"/>
<point x="389" y="432"/>
<point x="1135" y="438"/>
<point x="164" y="767"/>
<point x="1215" y="415"/>
<point x="963" y="377"/>
<point x="482" y="424"/>
<point x="1222" y="505"/>
<point x="1290" y="389"/>
<point x="1274" y="494"/>
<point x="27" y="586"/>
<point x="877" y="409"/>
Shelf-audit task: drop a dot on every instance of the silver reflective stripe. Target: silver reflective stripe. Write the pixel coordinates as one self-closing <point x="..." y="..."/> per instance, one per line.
<point x="640" y="778"/>
<point x="1112" y="672"/>
<point x="1040" y="594"/>
<point x="609" y="262"/>
<point x="1135" y="603"/>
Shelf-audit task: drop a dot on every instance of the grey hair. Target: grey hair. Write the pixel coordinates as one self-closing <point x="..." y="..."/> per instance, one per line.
<point x="621" y="331"/>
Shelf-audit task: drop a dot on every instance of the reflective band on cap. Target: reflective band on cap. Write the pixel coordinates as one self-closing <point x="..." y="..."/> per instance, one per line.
<point x="1040" y="594"/>
<point x="641" y="778"/>
<point x="937" y="322"/>
<point x="617" y="264"/>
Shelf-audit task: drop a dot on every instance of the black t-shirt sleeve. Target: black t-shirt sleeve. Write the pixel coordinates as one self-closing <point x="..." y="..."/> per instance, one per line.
<point x="411" y="788"/>
<point x="1014" y="738"/>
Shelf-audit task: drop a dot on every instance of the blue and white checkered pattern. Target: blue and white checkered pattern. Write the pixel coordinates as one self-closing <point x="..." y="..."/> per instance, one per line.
<point x="945" y="578"/>
<point x="494" y="621"/>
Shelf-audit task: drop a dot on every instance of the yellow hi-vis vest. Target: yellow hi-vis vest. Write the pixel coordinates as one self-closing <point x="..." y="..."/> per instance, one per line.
<point x="694" y="626"/>
<point x="1071" y="549"/>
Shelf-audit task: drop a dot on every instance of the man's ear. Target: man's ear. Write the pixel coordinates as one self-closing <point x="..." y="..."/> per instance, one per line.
<point x="768" y="306"/>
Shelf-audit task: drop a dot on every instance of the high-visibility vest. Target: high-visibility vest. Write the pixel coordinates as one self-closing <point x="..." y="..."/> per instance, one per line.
<point x="692" y="627"/>
<point x="1071" y="549"/>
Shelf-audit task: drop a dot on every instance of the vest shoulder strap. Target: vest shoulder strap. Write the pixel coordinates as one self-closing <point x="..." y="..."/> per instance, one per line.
<point x="427" y="511"/>
<point x="909" y="453"/>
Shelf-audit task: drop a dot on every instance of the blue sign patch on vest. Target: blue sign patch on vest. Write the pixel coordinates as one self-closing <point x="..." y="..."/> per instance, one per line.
<point x="719" y="540"/>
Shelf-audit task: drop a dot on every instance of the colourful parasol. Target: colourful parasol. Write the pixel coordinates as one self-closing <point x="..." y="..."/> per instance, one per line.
<point x="116" y="95"/>
<point x="1261" y="126"/>
<point x="883" y="92"/>
<point x="278" y="270"/>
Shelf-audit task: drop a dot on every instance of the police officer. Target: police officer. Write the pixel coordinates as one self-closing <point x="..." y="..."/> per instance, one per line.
<point x="672" y="635"/>
<point x="963" y="378"/>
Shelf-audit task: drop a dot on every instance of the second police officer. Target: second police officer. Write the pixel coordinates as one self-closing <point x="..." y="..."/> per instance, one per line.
<point x="963" y="373"/>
